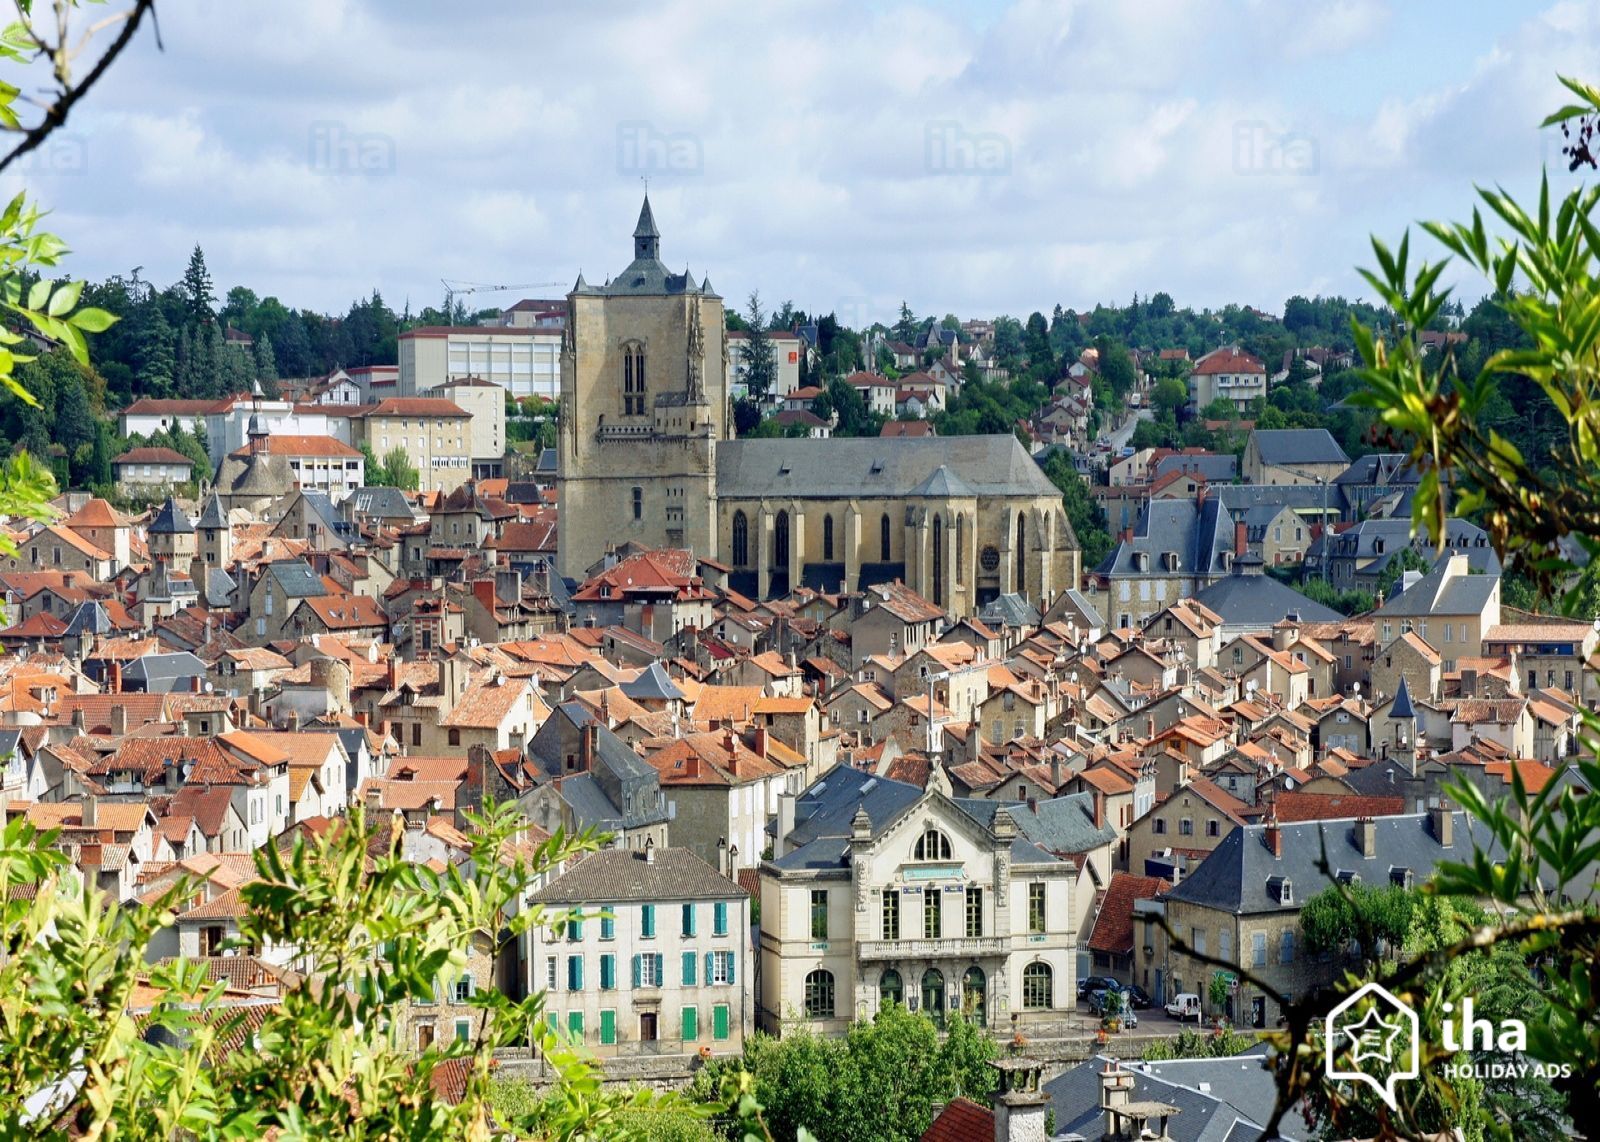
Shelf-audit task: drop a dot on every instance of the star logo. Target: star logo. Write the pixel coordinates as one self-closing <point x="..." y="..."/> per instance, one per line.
<point x="1378" y="1049"/>
<point x="1373" y="1037"/>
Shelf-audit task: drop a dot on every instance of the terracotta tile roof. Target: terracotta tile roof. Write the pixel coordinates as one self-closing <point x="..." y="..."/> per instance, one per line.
<point x="346" y="612"/>
<point x="417" y="406"/>
<point x="319" y="447"/>
<point x="1229" y="360"/>
<point x="727" y="703"/>
<point x="97" y="513"/>
<point x="962" y="1120"/>
<point x="1113" y="927"/>
<point x="1293" y="806"/>
<point x="1535" y="774"/>
<point x="488" y="701"/>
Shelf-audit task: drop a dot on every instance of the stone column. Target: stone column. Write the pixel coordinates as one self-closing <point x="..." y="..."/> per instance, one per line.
<point x="851" y="538"/>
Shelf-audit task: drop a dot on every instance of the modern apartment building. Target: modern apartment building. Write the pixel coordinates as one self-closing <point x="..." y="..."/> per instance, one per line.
<point x="526" y="360"/>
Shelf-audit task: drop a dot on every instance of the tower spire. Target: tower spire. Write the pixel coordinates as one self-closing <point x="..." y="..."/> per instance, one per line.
<point x="646" y="238"/>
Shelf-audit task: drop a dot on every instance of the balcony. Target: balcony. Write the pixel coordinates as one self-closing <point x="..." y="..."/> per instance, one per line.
<point x="959" y="948"/>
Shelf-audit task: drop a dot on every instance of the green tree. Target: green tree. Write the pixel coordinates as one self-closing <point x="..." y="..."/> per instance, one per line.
<point x="198" y="295"/>
<point x="399" y="471"/>
<point x="758" y="362"/>
<point x="1375" y="920"/>
<point x="1169" y="396"/>
<point x="1116" y="367"/>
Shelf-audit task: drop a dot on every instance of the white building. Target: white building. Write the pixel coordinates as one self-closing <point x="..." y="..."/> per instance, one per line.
<point x="881" y="892"/>
<point x="1228" y="372"/>
<point x="523" y="359"/>
<point x="660" y="963"/>
<point x="786" y="350"/>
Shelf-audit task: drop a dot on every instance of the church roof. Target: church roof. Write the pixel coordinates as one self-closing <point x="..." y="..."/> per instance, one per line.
<point x="646" y="274"/>
<point x="647" y="222"/>
<point x="943" y="482"/>
<point x="862" y="466"/>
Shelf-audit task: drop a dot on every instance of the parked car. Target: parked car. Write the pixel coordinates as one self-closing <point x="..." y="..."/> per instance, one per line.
<point x="1185" y="1005"/>
<point x="1140" y="999"/>
<point x="1091" y="983"/>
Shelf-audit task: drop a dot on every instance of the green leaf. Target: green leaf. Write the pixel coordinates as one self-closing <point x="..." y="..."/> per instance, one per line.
<point x="62" y="301"/>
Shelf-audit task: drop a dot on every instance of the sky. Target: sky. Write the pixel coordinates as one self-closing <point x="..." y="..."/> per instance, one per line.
<point x="965" y="157"/>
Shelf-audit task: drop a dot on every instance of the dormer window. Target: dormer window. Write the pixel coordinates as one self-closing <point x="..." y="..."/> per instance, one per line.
<point x="1172" y="561"/>
<point x="1400" y="877"/>
<point x="1280" y="889"/>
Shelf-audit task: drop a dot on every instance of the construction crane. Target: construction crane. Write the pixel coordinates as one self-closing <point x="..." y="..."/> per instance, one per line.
<point x="454" y="288"/>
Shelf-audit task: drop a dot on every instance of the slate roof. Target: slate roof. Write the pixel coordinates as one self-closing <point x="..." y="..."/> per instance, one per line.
<point x="1218" y="1100"/>
<point x="943" y="482"/>
<point x="645" y="274"/>
<point x="1297" y="446"/>
<point x="1214" y="468"/>
<point x="1260" y="600"/>
<point x="212" y="517"/>
<point x="385" y="503"/>
<point x="171" y="520"/>
<point x="866" y="466"/>
<point x="1010" y="609"/>
<point x="1380" y="468"/>
<point x="1199" y="533"/>
<point x="159" y="671"/>
<point x="1234" y="877"/>
<point x="1057" y="825"/>
<point x="1435" y="594"/>
<point x="296" y="579"/>
<point x="653" y="683"/>
<point x="624" y="875"/>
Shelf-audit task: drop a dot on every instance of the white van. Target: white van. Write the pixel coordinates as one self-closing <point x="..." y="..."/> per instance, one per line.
<point x="1185" y="1005"/>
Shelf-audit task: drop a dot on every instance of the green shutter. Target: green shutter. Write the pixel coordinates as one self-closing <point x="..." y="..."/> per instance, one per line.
<point x="636" y="975"/>
<point x="661" y="975"/>
<point x="688" y="969"/>
<point x="608" y="927"/>
<point x="688" y="919"/>
<point x="608" y="972"/>
<point x="719" y="1021"/>
<point x="575" y="1025"/>
<point x="574" y="973"/>
<point x="575" y="930"/>
<point x="720" y="918"/>
<point x="691" y="1024"/>
<point x="554" y="1020"/>
<point x="608" y="1028"/>
<point x="648" y="920"/>
<point x="709" y="961"/>
<point x="732" y="961"/>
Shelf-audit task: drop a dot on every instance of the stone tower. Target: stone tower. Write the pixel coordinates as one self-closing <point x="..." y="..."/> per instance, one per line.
<point x="644" y="401"/>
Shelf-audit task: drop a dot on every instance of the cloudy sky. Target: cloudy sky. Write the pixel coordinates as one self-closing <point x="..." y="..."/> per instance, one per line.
<point x="970" y="157"/>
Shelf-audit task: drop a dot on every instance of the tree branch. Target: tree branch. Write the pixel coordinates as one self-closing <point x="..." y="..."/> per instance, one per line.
<point x="55" y="114"/>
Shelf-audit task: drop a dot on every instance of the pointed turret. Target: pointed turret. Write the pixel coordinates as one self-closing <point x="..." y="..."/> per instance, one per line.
<point x="580" y="286"/>
<point x="646" y="238"/>
<point x="1402" y="702"/>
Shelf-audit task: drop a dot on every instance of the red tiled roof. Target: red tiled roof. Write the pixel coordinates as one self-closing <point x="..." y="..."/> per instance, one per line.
<point x="1113" y="927"/>
<point x="1229" y="360"/>
<point x="280" y="444"/>
<point x="961" y="1121"/>
<point x="1334" y="806"/>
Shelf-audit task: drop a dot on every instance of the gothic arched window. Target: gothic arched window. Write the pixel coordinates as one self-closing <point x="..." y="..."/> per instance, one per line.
<point x="741" y="540"/>
<point x="633" y="390"/>
<point x="1022" y="553"/>
<point x="961" y="549"/>
<point x="827" y="539"/>
<point x="780" y="541"/>
<point x="883" y="537"/>
<point x="938" y="560"/>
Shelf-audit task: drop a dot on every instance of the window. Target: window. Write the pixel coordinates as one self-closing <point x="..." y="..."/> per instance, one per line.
<point x="647" y="970"/>
<point x="961" y="547"/>
<point x="883" y="537"/>
<point x="691" y="1024"/>
<point x="647" y="921"/>
<point x="463" y="989"/>
<point x="741" y="540"/>
<point x="719" y="1021"/>
<point x="638" y="503"/>
<point x="1160" y="826"/>
<point x="608" y="1028"/>
<point x="688" y="920"/>
<point x="1036" y="907"/>
<point x="416" y="733"/>
<point x="1225" y="944"/>
<point x="608" y="972"/>
<point x="932" y="845"/>
<point x="688" y="969"/>
<point x="633" y="386"/>
<point x="574" y="973"/>
<point x="938" y="561"/>
<point x="891" y="914"/>
<point x="1038" y="987"/>
<point x="550" y="973"/>
<point x="1021" y="552"/>
<point x="891" y="989"/>
<point x="819" y="994"/>
<point x="575" y="1025"/>
<point x="1238" y="655"/>
<point x="819" y="913"/>
<point x="780" y="541"/>
<point x="974" y="910"/>
<point x="1258" y="949"/>
<point x="1185" y="826"/>
<point x="719" y="918"/>
<point x="719" y="967"/>
<point x="1286" y="947"/>
<point x="1213" y="828"/>
<point x="932" y="914"/>
<point x="608" y="927"/>
<point x="827" y="538"/>
<point x="463" y="1030"/>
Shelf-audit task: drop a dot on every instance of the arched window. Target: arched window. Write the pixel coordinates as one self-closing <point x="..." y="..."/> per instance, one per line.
<point x="961" y="549"/>
<point x="933" y="845"/>
<point x="827" y="539"/>
<point x="819" y="995"/>
<point x="933" y="995"/>
<point x="891" y="988"/>
<point x="780" y="541"/>
<point x="883" y="537"/>
<point x="938" y="561"/>
<point x="974" y="993"/>
<point x="1038" y="987"/>
<point x="633" y="379"/>
<point x="741" y="540"/>
<point x="1022" y="552"/>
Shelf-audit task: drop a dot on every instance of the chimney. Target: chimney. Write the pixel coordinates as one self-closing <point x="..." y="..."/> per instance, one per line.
<point x="1367" y="837"/>
<point x="1241" y="539"/>
<point x="786" y="805"/>
<point x="116" y="676"/>
<point x="393" y="674"/>
<point x="194" y="683"/>
<point x="650" y="850"/>
<point x="119" y="720"/>
<point x="1442" y="823"/>
<point x="586" y="748"/>
<point x="1272" y="836"/>
<point x="1116" y="1092"/>
<point x="1019" y="1100"/>
<point x="1099" y="809"/>
<point x="483" y="590"/>
<point x="760" y="746"/>
<point x="90" y="810"/>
